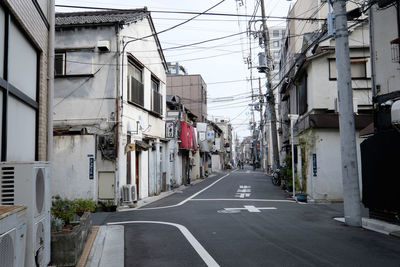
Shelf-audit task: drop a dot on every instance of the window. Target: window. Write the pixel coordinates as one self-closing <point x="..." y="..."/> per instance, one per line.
<point x="19" y="96"/>
<point x="156" y="95"/>
<point x="275" y="33"/>
<point x="59" y="64"/>
<point x="276" y="43"/>
<point x="276" y="54"/>
<point x="73" y="63"/>
<point x="135" y="84"/>
<point x="283" y="33"/>
<point x="358" y="68"/>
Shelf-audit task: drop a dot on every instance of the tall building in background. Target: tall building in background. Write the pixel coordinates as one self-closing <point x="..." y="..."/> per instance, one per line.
<point x="190" y="88"/>
<point x="276" y="37"/>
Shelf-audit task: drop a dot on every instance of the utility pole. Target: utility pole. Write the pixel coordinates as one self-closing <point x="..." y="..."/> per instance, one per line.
<point x="261" y="125"/>
<point x="270" y="94"/>
<point x="351" y="193"/>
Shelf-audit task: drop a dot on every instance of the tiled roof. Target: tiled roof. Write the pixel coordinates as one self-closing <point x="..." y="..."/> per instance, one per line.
<point x="100" y="17"/>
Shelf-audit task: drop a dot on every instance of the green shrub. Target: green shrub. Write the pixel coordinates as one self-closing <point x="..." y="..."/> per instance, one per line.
<point x="84" y="205"/>
<point x="63" y="209"/>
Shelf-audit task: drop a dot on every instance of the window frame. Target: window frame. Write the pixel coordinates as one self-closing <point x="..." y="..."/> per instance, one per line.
<point x="64" y="67"/>
<point x="154" y="93"/>
<point x="132" y="63"/>
<point x="352" y="60"/>
<point x="9" y="90"/>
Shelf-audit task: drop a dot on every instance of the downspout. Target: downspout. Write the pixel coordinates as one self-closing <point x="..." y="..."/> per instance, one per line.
<point x="50" y="84"/>
<point x="118" y="116"/>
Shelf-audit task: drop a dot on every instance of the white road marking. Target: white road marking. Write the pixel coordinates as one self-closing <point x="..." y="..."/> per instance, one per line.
<point x="243" y="191"/>
<point x="185" y="200"/>
<point x="207" y="258"/>
<point x="245" y="199"/>
<point x="252" y="208"/>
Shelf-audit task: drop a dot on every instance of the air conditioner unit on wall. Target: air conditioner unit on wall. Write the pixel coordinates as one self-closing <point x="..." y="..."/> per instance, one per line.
<point x="129" y="193"/>
<point x="12" y="236"/>
<point x="28" y="184"/>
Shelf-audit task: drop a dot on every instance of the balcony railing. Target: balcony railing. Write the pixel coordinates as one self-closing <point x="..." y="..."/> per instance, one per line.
<point x="157" y="102"/>
<point x="136" y="92"/>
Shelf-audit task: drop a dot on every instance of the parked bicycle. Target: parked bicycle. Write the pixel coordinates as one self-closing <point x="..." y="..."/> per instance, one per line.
<point x="275" y="178"/>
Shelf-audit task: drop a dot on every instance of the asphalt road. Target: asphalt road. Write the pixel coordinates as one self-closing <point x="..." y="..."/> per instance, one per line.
<point x="240" y="219"/>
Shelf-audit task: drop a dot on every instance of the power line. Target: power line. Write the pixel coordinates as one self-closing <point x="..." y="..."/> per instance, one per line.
<point x="195" y="13"/>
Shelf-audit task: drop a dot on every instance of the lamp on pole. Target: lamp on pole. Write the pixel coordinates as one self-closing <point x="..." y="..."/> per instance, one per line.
<point x="293" y="118"/>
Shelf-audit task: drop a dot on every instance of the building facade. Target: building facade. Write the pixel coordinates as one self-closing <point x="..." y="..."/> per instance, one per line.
<point x="109" y="105"/>
<point x="191" y="88"/>
<point x="309" y="89"/>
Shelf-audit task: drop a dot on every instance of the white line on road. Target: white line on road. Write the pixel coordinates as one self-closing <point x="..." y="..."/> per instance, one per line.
<point x="207" y="258"/>
<point x="244" y="190"/>
<point x="185" y="200"/>
<point x="252" y="209"/>
<point x="244" y="199"/>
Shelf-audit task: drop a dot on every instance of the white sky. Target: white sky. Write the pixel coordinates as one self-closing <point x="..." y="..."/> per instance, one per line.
<point x="223" y="59"/>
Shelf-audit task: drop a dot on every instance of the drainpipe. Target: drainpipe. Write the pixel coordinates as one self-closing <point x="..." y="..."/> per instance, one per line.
<point x="118" y="116"/>
<point x="50" y="84"/>
<point x="158" y="170"/>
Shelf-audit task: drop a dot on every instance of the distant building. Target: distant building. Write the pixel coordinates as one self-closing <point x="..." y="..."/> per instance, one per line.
<point x="191" y="89"/>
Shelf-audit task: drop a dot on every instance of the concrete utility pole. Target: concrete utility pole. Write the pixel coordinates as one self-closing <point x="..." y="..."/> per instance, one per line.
<point x="270" y="94"/>
<point x="261" y="125"/>
<point x="351" y="193"/>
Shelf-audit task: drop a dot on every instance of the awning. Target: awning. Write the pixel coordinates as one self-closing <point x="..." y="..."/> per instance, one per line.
<point x="140" y="145"/>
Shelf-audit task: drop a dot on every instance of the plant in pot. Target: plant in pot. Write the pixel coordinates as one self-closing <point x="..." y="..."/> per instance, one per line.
<point x="301" y="196"/>
<point x="83" y="205"/>
<point x="108" y="205"/>
<point x="63" y="209"/>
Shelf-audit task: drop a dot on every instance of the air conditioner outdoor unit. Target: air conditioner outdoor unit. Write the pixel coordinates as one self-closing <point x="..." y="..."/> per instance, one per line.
<point x="12" y="236"/>
<point x="129" y="193"/>
<point x="28" y="184"/>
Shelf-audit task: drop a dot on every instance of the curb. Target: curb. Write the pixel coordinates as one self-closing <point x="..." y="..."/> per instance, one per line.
<point x="108" y="247"/>
<point x="377" y="226"/>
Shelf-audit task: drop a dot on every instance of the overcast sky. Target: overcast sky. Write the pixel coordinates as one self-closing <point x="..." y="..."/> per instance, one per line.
<point x="217" y="61"/>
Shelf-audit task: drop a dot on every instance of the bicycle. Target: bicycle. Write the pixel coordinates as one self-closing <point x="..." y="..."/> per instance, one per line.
<point x="275" y="177"/>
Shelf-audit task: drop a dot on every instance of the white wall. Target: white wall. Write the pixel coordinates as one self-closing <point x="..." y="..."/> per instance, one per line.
<point x="327" y="185"/>
<point x="71" y="165"/>
<point x="216" y="163"/>
<point x="384" y="30"/>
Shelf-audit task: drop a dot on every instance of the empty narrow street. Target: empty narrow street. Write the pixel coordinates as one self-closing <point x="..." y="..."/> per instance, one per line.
<point x="239" y="218"/>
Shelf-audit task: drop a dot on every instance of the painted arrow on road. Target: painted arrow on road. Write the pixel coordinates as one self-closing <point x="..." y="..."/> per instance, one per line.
<point x="251" y="208"/>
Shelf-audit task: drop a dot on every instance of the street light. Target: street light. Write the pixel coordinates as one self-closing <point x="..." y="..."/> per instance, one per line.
<point x="293" y="118"/>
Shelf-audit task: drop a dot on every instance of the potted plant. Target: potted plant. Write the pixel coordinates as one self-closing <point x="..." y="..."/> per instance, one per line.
<point x="301" y="196"/>
<point x="83" y="205"/>
<point x="63" y="209"/>
<point x="109" y="205"/>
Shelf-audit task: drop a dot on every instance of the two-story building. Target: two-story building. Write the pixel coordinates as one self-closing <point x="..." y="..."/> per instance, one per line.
<point x="309" y="89"/>
<point x="109" y="105"/>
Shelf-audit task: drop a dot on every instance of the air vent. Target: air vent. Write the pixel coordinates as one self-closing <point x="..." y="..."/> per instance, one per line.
<point x="39" y="190"/>
<point x="6" y="250"/>
<point x="7" y="185"/>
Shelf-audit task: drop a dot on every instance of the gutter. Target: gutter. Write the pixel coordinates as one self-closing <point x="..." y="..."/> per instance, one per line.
<point x="50" y="83"/>
<point x="118" y="116"/>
